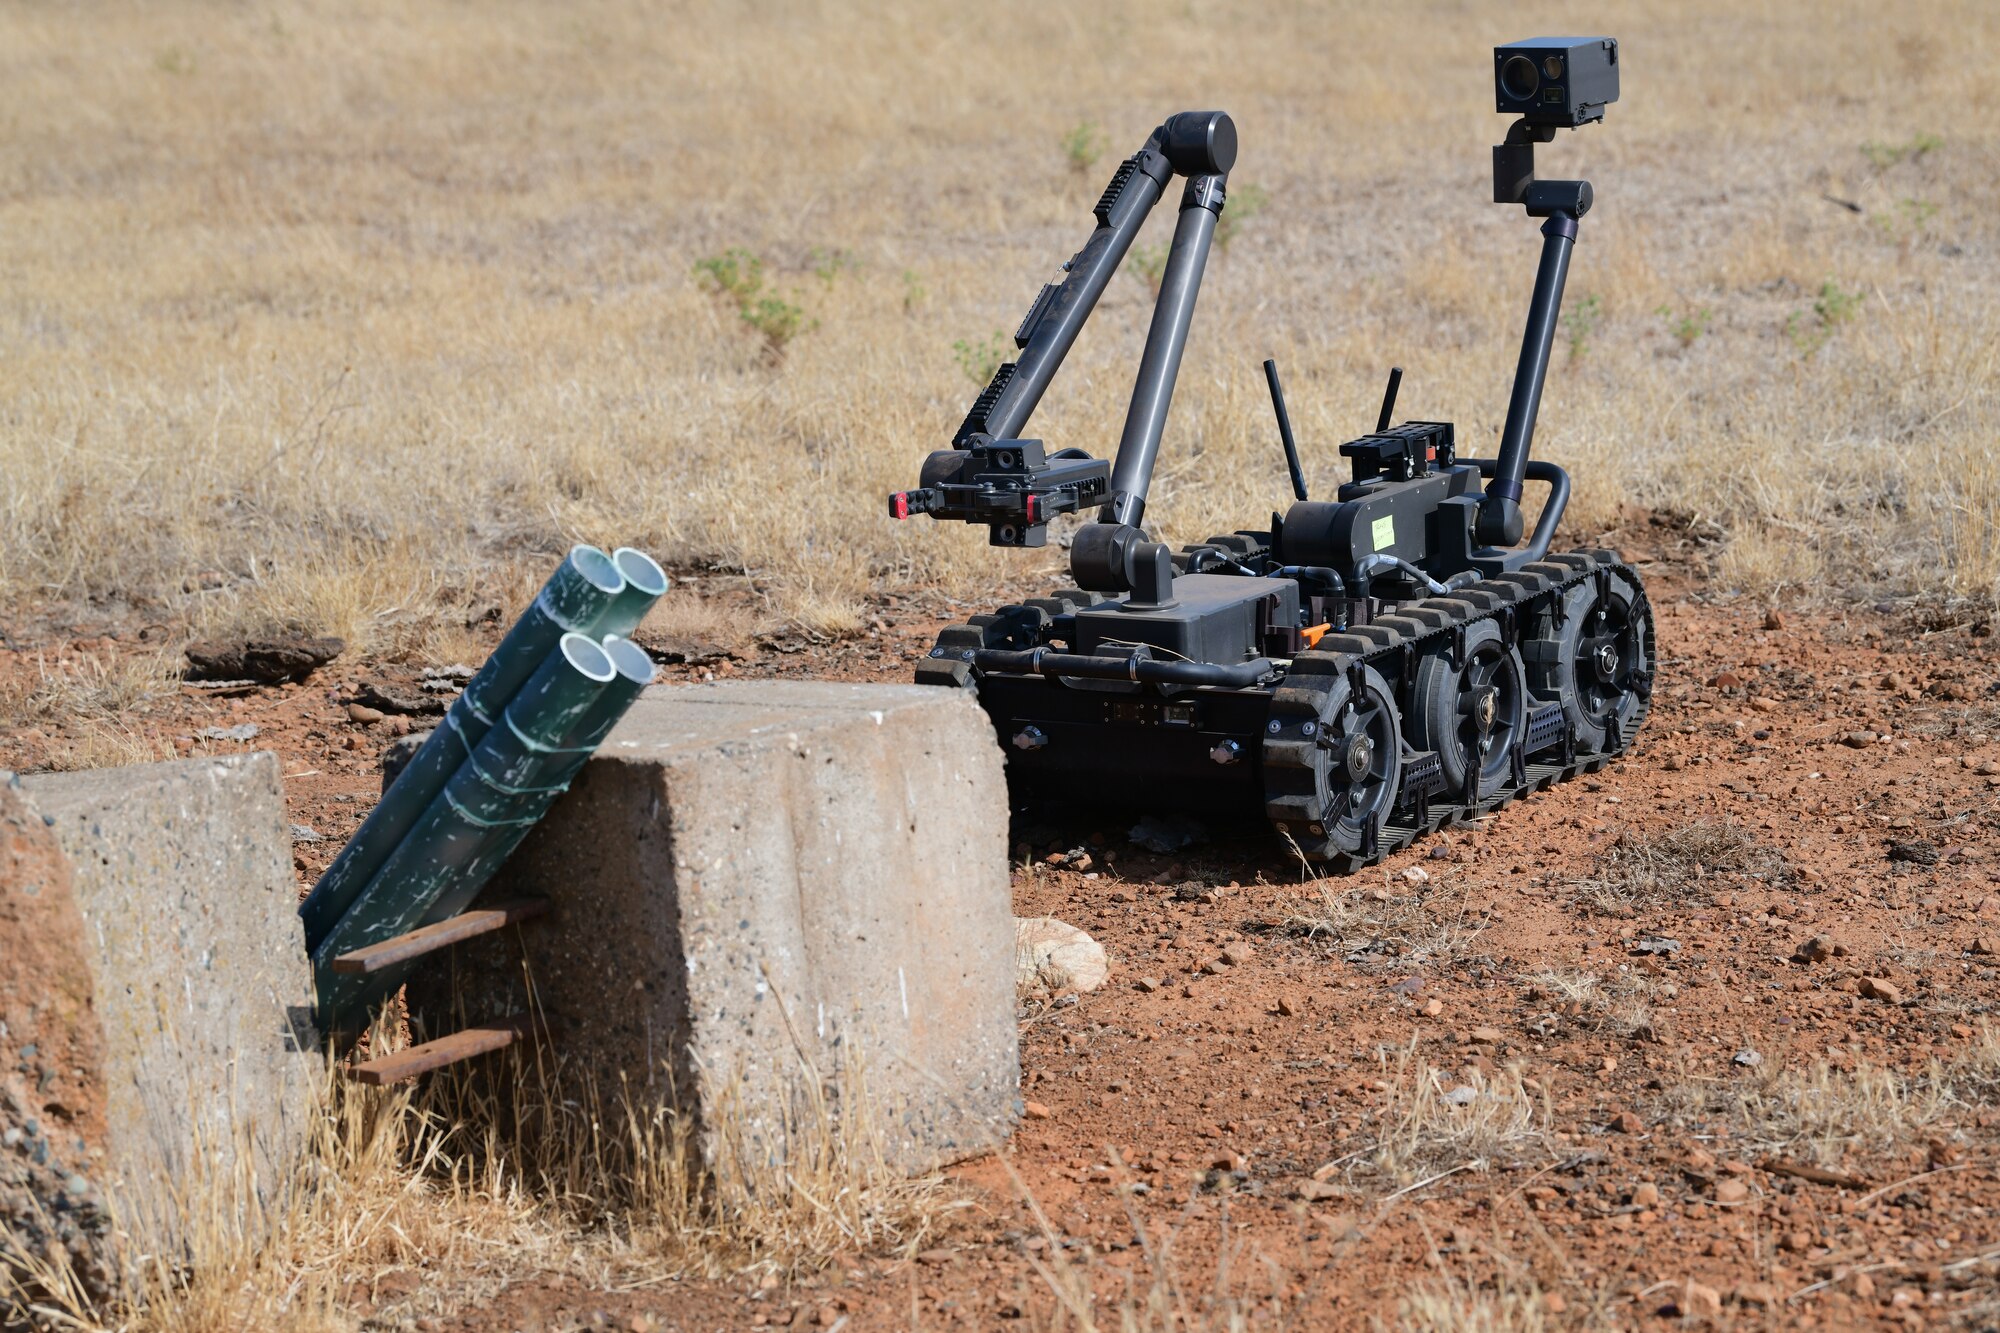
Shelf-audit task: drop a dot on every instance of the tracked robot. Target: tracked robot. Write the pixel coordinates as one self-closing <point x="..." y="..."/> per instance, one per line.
<point x="1369" y="667"/>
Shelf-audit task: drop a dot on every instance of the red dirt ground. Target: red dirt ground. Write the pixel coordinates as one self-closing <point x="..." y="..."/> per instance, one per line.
<point x="1221" y="1087"/>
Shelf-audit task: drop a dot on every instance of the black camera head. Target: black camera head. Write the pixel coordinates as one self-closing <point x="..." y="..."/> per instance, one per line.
<point x="1561" y="82"/>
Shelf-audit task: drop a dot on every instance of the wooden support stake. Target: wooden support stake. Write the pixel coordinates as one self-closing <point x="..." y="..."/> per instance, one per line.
<point x="396" y="1067"/>
<point x="428" y="939"/>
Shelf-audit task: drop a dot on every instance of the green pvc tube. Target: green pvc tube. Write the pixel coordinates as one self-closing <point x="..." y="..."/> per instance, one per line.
<point x="645" y="582"/>
<point x="508" y="782"/>
<point x="635" y="672"/>
<point x="580" y="592"/>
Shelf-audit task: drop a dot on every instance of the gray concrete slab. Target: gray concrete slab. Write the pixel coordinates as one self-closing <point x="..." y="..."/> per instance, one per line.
<point x="761" y="885"/>
<point x="182" y="879"/>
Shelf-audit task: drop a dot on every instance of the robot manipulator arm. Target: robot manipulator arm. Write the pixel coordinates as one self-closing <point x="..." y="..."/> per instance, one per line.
<point x="1011" y="486"/>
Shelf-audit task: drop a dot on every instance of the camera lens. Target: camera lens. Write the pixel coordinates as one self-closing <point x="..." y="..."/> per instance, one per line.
<point x="1553" y="67"/>
<point x="1519" y="79"/>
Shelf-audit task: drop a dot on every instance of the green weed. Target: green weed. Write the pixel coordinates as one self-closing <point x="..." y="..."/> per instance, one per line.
<point x="980" y="358"/>
<point x="1083" y="146"/>
<point x="828" y="264"/>
<point x="1243" y="203"/>
<point x="1581" y="322"/>
<point x="1909" y="219"/>
<point x="1148" y="263"/>
<point x="1687" y="325"/>
<point x="1832" y="308"/>
<point x="1885" y="155"/>
<point x="736" y="276"/>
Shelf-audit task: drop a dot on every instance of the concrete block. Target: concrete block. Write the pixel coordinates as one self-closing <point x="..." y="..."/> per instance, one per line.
<point x="51" y="1064"/>
<point x="756" y="879"/>
<point x="183" y="945"/>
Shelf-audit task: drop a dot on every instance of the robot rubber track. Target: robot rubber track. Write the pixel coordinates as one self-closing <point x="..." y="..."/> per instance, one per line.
<point x="1560" y="737"/>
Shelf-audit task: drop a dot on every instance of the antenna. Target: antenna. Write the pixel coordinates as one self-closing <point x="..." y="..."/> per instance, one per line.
<point x="1389" y="399"/>
<point x="1285" y="429"/>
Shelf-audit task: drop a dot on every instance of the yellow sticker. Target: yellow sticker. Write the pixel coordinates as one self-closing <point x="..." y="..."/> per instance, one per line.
<point x="1385" y="532"/>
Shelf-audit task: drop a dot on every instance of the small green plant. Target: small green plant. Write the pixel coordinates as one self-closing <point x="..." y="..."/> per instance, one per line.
<point x="1581" y="322"/>
<point x="174" y="60"/>
<point x="1835" y="306"/>
<point x="828" y="264"/>
<point x="736" y="277"/>
<point x="1909" y="219"/>
<point x="980" y="358"/>
<point x="914" y="291"/>
<point x="1885" y="155"/>
<point x="1083" y="146"/>
<point x="1831" y="308"/>
<point x="1687" y="325"/>
<point x="1148" y="263"/>
<point x="1242" y="203"/>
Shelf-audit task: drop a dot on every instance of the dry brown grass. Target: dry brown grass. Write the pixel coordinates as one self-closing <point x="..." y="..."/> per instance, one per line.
<point x="471" y="1197"/>
<point x="1448" y="1305"/>
<point x="1678" y="867"/>
<point x="1837" y="1117"/>
<point x="105" y="745"/>
<point x="811" y="1184"/>
<point x="1434" y="1123"/>
<point x="1623" y="1006"/>
<point x="95" y="702"/>
<point x="89" y="686"/>
<point x="1389" y="921"/>
<point x="364" y="306"/>
<point x="1239" y="1290"/>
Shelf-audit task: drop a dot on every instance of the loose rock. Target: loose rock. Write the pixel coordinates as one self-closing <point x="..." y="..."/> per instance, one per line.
<point x="265" y="660"/>
<point x="1160" y="834"/>
<point x="1627" y="1123"/>
<point x="1876" y="988"/>
<point x="1697" y="1301"/>
<point x="1052" y="955"/>
<point x="389" y="699"/>
<point x="1817" y="949"/>
<point x="1915" y="852"/>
